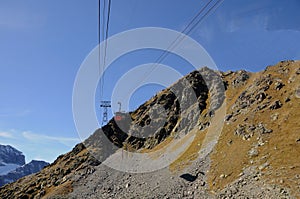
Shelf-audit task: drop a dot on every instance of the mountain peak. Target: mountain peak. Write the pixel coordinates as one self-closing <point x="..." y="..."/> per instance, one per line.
<point x="10" y="155"/>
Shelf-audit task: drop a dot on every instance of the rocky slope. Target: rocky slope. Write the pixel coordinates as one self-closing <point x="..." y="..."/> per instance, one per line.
<point x="13" y="167"/>
<point x="253" y="133"/>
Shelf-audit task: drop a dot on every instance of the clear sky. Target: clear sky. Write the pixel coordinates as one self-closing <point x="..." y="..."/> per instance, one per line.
<point x="43" y="43"/>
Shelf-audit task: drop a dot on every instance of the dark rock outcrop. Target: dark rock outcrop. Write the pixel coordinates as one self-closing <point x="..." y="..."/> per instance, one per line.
<point x="173" y="110"/>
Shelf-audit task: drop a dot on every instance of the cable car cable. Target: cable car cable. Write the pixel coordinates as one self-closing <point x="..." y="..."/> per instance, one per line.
<point x="106" y="43"/>
<point x="171" y="47"/>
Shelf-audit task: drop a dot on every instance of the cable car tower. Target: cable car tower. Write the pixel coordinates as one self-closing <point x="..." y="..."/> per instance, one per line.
<point x="105" y="105"/>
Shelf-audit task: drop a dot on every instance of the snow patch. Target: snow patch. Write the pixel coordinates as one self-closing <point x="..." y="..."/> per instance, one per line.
<point x="7" y="168"/>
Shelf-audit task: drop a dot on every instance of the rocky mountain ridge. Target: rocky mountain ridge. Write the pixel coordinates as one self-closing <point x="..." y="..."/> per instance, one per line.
<point x="256" y="154"/>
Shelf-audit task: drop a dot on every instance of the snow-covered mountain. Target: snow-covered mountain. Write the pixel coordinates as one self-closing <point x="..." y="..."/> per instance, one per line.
<point x="13" y="167"/>
<point x="10" y="159"/>
<point x="27" y="169"/>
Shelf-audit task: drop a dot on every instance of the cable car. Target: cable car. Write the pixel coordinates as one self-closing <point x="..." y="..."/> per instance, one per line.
<point x="120" y="115"/>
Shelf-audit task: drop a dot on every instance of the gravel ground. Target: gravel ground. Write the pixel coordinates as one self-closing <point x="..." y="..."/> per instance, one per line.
<point x="108" y="183"/>
<point x="191" y="183"/>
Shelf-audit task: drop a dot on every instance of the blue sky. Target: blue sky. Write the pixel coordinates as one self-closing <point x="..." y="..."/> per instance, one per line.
<point x="43" y="43"/>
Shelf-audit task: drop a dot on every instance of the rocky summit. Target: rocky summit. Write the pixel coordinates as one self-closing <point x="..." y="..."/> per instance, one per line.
<point x="227" y="134"/>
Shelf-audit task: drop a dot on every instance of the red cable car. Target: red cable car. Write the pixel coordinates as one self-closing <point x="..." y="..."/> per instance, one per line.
<point x="119" y="116"/>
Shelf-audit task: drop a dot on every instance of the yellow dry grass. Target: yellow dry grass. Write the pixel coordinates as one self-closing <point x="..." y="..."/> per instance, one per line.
<point x="281" y="149"/>
<point x="190" y="154"/>
<point x="230" y="155"/>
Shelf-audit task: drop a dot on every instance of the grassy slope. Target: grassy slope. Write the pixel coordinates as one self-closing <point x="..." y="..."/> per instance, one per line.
<point x="281" y="151"/>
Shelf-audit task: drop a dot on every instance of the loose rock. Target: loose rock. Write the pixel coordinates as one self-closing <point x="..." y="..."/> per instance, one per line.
<point x="275" y="105"/>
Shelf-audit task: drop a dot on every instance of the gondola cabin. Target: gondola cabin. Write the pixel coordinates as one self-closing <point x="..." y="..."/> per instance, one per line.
<point x="119" y="116"/>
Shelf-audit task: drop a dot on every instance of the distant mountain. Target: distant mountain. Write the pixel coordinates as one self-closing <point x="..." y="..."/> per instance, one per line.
<point x="8" y="154"/>
<point x="13" y="167"/>
<point x="10" y="159"/>
<point x="27" y="169"/>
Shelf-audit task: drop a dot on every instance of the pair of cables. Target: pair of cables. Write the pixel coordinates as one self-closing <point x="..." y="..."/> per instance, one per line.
<point x="104" y="29"/>
<point x="210" y="6"/>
